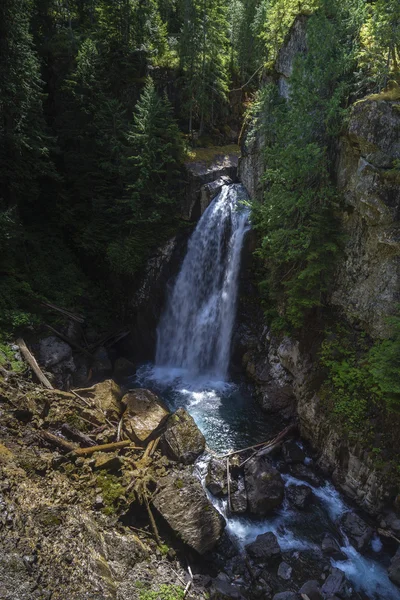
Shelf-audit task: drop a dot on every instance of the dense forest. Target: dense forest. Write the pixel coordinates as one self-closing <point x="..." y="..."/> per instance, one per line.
<point x="101" y="100"/>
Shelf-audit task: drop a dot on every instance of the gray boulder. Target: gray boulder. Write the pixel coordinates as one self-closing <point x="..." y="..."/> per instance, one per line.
<point x="264" y="486"/>
<point x="299" y="496"/>
<point x="311" y="590"/>
<point x="144" y="413"/>
<point x="216" y="478"/>
<point x="394" y="568"/>
<point x="182" y="440"/>
<point x="264" y="547"/>
<point x="302" y="472"/>
<point x="335" y="584"/>
<point x="285" y="571"/>
<point x="183" y="503"/>
<point x="357" y="530"/>
<point x="239" y="498"/>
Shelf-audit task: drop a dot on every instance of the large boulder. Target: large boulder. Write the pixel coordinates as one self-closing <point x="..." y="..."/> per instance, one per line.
<point x="182" y="440"/>
<point x="310" y="590"/>
<point x="292" y="452"/>
<point x="306" y="474"/>
<point x="264" y="486"/>
<point x="239" y="498"/>
<point x="299" y="496"/>
<point x="331" y="548"/>
<point x="335" y="584"/>
<point x="183" y="503"/>
<point x="264" y="547"/>
<point x="107" y="397"/>
<point x="144" y="414"/>
<point x="394" y="568"/>
<point x="357" y="530"/>
<point x="56" y="356"/>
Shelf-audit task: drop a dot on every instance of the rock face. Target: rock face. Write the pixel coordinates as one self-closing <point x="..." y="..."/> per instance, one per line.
<point x="215" y="480"/>
<point x="394" y="568"/>
<point x="299" y="496"/>
<point x="182" y="440"/>
<point x="264" y="486"/>
<point x="200" y="174"/>
<point x="56" y="355"/>
<point x="368" y="278"/>
<point x="144" y="413"/>
<point x="107" y="396"/>
<point x="182" y="502"/>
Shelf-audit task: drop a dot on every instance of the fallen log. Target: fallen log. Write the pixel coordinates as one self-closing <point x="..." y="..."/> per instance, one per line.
<point x="77" y="436"/>
<point x="275" y="440"/>
<point x="57" y="441"/>
<point x="228" y="481"/>
<point x="64" y="311"/>
<point x="105" y="448"/>
<point x="31" y="360"/>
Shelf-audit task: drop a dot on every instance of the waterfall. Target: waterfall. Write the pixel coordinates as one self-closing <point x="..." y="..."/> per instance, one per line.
<point x="195" y="330"/>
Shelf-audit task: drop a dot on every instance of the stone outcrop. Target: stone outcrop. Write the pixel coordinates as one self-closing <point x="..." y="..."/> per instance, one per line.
<point x="182" y="440"/>
<point x="264" y="548"/>
<point x="181" y="501"/>
<point x="295" y="45"/>
<point x="264" y="486"/>
<point x="357" y="530"/>
<point x="222" y="168"/>
<point x="144" y="414"/>
<point x="367" y="283"/>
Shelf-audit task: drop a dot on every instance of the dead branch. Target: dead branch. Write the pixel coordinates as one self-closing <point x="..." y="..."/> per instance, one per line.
<point x="67" y="313"/>
<point x="155" y="446"/>
<point x="57" y="441"/>
<point x="31" y="360"/>
<point x="77" y="436"/>
<point x="105" y="448"/>
<point x="83" y="399"/>
<point x="387" y="533"/>
<point x="228" y="479"/>
<point x="275" y="440"/>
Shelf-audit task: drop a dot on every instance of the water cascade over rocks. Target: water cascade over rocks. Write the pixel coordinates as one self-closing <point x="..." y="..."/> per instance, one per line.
<point x="309" y="528"/>
<point x="196" y="329"/>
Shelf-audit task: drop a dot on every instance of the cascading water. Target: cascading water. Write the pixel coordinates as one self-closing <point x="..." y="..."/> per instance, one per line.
<point x="193" y="350"/>
<point x="196" y="329"/>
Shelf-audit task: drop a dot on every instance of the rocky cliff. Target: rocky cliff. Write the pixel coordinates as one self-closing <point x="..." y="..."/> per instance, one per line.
<point x="366" y="285"/>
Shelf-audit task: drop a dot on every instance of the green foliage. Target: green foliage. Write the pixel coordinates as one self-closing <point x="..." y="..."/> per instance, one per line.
<point x="164" y="592"/>
<point x="384" y="365"/>
<point x="111" y="491"/>
<point x="296" y="218"/>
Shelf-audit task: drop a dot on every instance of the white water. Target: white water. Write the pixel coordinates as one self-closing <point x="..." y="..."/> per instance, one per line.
<point x="195" y="331"/>
<point x="194" y="339"/>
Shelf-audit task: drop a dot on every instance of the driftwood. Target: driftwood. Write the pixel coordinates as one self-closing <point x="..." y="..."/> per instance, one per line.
<point x="31" y="360"/>
<point x="228" y="481"/>
<point x="67" y="313"/>
<point x="77" y="436"/>
<point x="83" y="399"/>
<point x="105" y="448"/>
<point x="57" y="441"/>
<point x="155" y="446"/>
<point x="68" y="340"/>
<point x="268" y="443"/>
<point x="389" y="534"/>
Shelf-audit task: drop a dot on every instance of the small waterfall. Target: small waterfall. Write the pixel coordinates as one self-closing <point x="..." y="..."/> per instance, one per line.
<point x="195" y="330"/>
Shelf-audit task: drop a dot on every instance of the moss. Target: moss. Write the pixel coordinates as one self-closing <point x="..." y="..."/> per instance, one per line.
<point x="179" y="484"/>
<point x="164" y="592"/>
<point x="111" y="491"/>
<point x="8" y="360"/>
<point x="164" y="549"/>
<point x="213" y="154"/>
<point x="391" y="94"/>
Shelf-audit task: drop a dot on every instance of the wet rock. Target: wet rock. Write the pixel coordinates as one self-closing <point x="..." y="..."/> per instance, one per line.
<point x="264" y="547"/>
<point x="182" y="502"/>
<point x="239" y="498"/>
<point x="306" y="474"/>
<point x="311" y="590"/>
<point x="286" y="596"/>
<point x="182" y="441"/>
<point x="394" y="568"/>
<point x="144" y="413"/>
<point x="123" y="368"/>
<point x="292" y="452"/>
<point x="331" y="548"/>
<point x="216" y="478"/>
<point x="358" y="531"/>
<point x="299" y="496"/>
<point x="335" y="584"/>
<point x="222" y="587"/>
<point x="264" y="486"/>
<point x="285" y="571"/>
